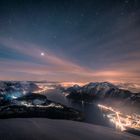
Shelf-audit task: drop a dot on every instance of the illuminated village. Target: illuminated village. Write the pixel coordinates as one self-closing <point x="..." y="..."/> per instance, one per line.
<point x="121" y="121"/>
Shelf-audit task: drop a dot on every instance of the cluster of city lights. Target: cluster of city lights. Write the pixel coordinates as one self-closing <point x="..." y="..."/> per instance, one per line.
<point x="43" y="89"/>
<point x="121" y="121"/>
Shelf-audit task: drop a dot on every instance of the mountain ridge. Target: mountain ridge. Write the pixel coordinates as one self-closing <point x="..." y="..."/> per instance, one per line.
<point x="102" y="91"/>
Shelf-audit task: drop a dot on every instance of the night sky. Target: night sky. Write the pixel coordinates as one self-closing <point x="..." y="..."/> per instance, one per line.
<point x="70" y="40"/>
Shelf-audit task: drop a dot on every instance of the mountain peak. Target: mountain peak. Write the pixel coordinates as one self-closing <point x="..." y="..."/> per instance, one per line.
<point x="100" y="84"/>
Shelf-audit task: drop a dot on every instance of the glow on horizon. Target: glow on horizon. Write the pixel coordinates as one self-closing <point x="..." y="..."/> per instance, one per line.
<point x="52" y="67"/>
<point x="68" y="84"/>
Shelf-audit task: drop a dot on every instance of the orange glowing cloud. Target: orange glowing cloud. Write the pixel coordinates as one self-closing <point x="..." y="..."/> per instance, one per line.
<point x="56" y="68"/>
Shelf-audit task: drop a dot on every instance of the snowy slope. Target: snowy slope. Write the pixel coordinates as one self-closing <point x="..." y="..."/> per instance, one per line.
<point x="45" y="129"/>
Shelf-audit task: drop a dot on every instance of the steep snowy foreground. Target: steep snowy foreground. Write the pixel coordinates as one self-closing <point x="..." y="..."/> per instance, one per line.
<point x="46" y="129"/>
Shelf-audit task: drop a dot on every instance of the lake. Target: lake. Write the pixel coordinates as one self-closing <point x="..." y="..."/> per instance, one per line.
<point x="92" y="113"/>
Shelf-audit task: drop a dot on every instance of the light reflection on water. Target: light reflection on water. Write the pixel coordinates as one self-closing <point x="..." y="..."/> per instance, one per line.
<point x="92" y="113"/>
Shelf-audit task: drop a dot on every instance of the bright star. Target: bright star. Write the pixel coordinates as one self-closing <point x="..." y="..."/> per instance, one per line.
<point x="42" y="54"/>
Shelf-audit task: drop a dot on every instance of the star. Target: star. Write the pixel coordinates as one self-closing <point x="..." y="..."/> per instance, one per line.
<point x="82" y="15"/>
<point x="97" y="13"/>
<point x="126" y="1"/>
<point x="42" y="54"/>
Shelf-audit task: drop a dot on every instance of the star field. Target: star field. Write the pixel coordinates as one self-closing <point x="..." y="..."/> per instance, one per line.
<point x="82" y="40"/>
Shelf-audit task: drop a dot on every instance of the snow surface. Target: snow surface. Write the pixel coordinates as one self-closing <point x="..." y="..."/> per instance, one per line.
<point x="46" y="129"/>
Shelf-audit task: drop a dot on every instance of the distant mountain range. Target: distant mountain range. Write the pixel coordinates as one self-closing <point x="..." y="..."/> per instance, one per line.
<point x="17" y="99"/>
<point x="102" y="91"/>
<point x="133" y="87"/>
<point x="13" y="89"/>
<point x="10" y="90"/>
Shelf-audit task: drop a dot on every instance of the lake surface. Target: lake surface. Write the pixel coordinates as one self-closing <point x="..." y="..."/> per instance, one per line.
<point x="92" y="113"/>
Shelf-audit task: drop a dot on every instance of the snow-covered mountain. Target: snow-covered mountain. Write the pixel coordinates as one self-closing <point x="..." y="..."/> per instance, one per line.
<point x="97" y="90"/>
<point x="14" y="89"/>
<point x="102" y="90"/>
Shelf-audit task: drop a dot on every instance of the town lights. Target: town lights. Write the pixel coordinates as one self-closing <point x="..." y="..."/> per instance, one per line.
<point x="121" y="120"/>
